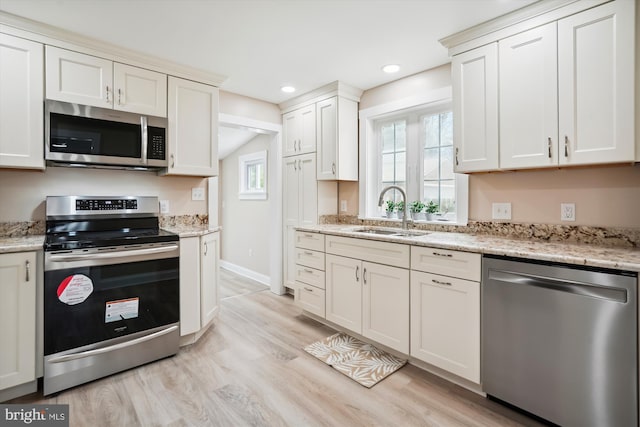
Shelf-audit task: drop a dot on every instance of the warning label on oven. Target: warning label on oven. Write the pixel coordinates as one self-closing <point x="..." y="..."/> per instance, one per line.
<point x="121" y="310"/>
<point x="75" y="289"/>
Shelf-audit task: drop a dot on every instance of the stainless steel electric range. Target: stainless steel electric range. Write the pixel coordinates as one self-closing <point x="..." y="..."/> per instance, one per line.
<point x="111" y="288"/>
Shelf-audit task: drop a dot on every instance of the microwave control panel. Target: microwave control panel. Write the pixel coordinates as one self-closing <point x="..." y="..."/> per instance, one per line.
<point x="156" y="146"/>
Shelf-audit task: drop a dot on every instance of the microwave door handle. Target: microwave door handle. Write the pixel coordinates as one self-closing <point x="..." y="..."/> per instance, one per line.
<point x="144" y="140"/>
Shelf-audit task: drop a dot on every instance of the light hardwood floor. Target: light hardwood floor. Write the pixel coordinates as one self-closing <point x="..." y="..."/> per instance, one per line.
<point x="249" y="369"/>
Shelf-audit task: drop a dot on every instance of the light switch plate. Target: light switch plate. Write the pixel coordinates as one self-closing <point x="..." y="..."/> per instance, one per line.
<point x="164" y="206"/>
<point x="501" y="210"/>
<point x="343" y="205"/>
<point x="197" y="193"/>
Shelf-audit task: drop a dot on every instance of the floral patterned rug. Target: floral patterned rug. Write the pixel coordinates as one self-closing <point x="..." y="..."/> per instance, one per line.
<point x="358" y="360"/>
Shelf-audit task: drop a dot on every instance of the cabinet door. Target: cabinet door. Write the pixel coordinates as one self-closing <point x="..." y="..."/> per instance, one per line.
<point x="209" y="277"/>
<point x="189" y="285"/>
<point x="475" y="108"/>
<point x="310" y="298"/>
<point x="327" y="138"/>
<point x="307" y="134"/>
<point x="193" y="128"/>
<point x="445" y="323"/>
<point x="78" y="78"/>
<point x="21" y="95"/>
<point x="308" y="199"/>
<point x="290" y="214"/>
<point x="529" y="99"/>
<point x="290" y="133"/>
<point x="596" y="78"/>
<point x="344" y="292"/>
<point x="385" y="305"/>
<point x="139" y="91"/>
<point x="17" y="319"/>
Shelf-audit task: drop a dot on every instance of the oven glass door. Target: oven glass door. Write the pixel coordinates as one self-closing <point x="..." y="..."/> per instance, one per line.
<point x="88" y="304"/>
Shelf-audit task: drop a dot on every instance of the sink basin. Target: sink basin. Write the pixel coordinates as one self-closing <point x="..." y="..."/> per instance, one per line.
<point x="388" y="232"/>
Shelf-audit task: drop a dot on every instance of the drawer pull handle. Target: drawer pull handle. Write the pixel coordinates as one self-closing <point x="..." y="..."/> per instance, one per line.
<point x="445" y="255"/>
<point x="308" y="235"/>
<point x="308" y="289"/>
<point x="306" y="270"/>
<point x="308" y="253"/>
<point x="437" y="282"/>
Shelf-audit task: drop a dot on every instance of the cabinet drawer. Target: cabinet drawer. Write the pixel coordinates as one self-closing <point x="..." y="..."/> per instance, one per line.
<point x="464" y="265"/>
<point x="309" y="298"/>
<point x="310" y="276"/>
<point x="313" y="241"/>
<point x="394" y="254"/>
<point x="313" y="259"/>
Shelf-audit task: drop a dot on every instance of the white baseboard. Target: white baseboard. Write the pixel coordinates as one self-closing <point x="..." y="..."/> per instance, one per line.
<point x="242" y="271"/>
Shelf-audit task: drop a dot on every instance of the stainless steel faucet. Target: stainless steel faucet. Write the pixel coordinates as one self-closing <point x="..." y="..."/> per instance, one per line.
<point x="405" y="219"/>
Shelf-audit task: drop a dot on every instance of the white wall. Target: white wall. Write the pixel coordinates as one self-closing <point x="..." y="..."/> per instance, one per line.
<point x="245" y="230"/>
<point x="249" y="108"/>
<point x="23" y="192"/>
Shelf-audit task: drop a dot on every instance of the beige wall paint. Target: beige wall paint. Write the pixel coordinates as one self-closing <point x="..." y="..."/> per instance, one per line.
<point x="244" y="223"/>
<point x="23" y="192"/>
<point x="243" y="106"/>
<point x="606" y="196"/>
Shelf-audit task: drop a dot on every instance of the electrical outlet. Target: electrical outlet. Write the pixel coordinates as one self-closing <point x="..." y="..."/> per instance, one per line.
<point x="501" y="210"/>
<point x="164" y="206"/>
<point x="567" y="211"/>
<point x="343" y="205"/>
<point x="197" y="193"/>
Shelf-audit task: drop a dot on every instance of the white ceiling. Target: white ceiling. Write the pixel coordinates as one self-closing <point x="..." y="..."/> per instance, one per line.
<point x="261" y="45"/>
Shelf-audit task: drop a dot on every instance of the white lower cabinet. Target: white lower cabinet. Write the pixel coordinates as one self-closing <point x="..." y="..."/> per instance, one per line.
<point x="199" y="273"/>
<point x="17" y="319"/>
<point x="309" y="272"/>
<point x="344" y="292"/>
<point x="445" y="323"/>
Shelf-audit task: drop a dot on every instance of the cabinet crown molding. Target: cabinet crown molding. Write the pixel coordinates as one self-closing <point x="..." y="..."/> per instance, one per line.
<point x="49" y="35"/>
<point x="327" y="91"/>
<point x="519" y="20"/>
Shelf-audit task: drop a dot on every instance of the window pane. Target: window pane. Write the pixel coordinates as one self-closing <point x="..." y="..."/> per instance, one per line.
<point x="388" y="167"/>
<point x="432" y="131"/>
<point x="401" y="135"/>
<point x="388" y="138"/>
<point x="431" y="191"/>
<point x="447" y="196"/>
<point x="446" y="128"/>
<point x="431" y="162"/>
<point x="446" y="163"/>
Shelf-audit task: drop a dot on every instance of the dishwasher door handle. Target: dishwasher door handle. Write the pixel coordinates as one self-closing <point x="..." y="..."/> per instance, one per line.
<point x="571" y="287"/>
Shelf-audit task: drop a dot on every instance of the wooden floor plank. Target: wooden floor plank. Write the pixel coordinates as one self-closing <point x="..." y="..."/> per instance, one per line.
<point x="250" y="369"/>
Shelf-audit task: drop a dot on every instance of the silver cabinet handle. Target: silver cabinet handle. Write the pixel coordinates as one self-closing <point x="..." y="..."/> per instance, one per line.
<point x="457" y="156"/>
<point x="300" y="164"/>
<point x="308" y="289"/>
<point x="549" y="146"/>
<point x="173" y="161"/>
<point x="306" y="270"/>
<point x="299" y="145"/>
<point x="119" y="96"/>
<point x="357" y="270"/>
<point x="566" y="146"/>
<point x="295" y="165"/>
<point x="333" y="168"/>
<point x="444" y="255"/>
<point x="309" y="235"/>
<point x="308" y="253"/>
<point x="438" y="282"/>
<point x="114" y="347"/>
<point x="107" y="95"/>
<point x="364" y="275"/>
<point x="144" y="133"/>
<point x="206" y="248"/>
<point x="28" y="267"/>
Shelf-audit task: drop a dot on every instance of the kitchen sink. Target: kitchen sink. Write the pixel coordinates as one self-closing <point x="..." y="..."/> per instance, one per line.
<point x="389" y="232"/>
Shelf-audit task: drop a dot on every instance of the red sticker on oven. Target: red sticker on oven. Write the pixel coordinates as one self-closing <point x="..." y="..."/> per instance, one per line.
<point x="75" y="289"/>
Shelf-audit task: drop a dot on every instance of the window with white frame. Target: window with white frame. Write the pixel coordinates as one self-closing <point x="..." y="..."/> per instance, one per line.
<point x="253" y="176"/>
<point x="413" y="149"/>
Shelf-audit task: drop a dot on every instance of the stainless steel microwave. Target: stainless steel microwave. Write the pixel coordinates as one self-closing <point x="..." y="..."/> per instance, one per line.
<point x="83" y="135"/>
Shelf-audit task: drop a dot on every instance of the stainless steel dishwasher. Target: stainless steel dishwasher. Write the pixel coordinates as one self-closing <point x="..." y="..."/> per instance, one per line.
<point x="560" y="341"/>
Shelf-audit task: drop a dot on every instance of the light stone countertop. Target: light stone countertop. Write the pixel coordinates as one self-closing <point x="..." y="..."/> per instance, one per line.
<point x="570" y="253"/>
<point x="190" y="230"/>
<point x="21" y="243"/>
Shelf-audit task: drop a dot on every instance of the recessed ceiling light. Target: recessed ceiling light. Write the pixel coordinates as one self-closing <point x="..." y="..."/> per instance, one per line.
<point x="288" y="89"/>
<point x="391" y="68"/>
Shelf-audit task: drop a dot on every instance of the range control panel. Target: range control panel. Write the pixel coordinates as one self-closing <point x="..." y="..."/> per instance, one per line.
<point x="105" y="204"/>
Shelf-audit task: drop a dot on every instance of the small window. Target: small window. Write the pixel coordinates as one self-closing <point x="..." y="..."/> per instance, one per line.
<point x="253" y="176"/>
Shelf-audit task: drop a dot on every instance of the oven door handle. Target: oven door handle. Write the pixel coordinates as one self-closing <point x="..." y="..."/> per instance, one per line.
<point x="89" y="353"/>
<point x="111" y="255"/>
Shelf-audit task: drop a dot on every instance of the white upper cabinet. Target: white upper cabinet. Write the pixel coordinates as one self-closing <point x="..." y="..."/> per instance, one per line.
<point x="89" y="80"/>
<point x="337" y="139"/>
<point x="299" y="131"/>
<point x="21" y="111"/>
<point x="475" y="109"/>
<point x="193" y="128"/>
<point x="596" y="54"/>
<point x="529" y="99"/>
